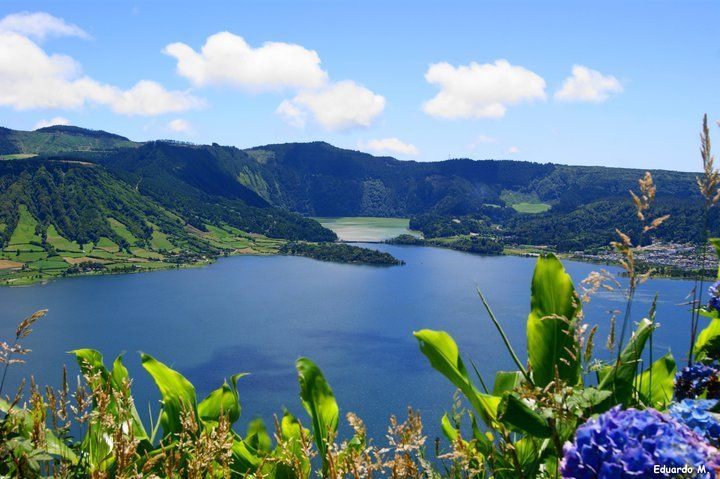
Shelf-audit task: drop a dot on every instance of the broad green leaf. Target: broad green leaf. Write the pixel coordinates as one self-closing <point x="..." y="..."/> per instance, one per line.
<point x="705" y="337"/>
<point x="96" y="442"/>
<point x="448" y="428"/>
<point x="483" y="439"/>
<point x="655" y="384"/>
<point x="243" y="459"/>
<point x="518" y="415"/>
<point x="178" y="394"/>
<point x="586" y="398"/>
<point x="319" y="402"/>
<point x="619" y="378"/>
<point x="551" y="342"/>
<point x="440" y="348"/>
<point x="53" y="445"/>
<point x="121" y="378"/>
<point x="506" y="381"/>
<point x="224" y="400"/>
<point x="257" y="436"/>
<point x="290" y="427"/>
<point x="294" y="434"/>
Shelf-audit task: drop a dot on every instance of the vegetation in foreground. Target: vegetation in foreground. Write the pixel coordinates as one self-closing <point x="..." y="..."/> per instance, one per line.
<point x="563" y="413"/>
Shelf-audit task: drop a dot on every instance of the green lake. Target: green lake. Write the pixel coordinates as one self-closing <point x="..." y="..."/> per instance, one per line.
<point x="366" y="229"/>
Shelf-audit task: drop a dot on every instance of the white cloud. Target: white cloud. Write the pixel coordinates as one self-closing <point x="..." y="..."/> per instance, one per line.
<point x="586" y="85"/>
<point x="341" y="106"/>
<point x="179" y="125"/>
<point x="149" y="98"/>
<point x="481" y="91"/>
<point x="40" y="25"/>
<point x="30" y="78"/>
<point x="227" y="59"/>
<point x="482" y="139"/>
<point x="58" y="120"/>
<point x="513" y="150"/>
<point x="389" y="145"/>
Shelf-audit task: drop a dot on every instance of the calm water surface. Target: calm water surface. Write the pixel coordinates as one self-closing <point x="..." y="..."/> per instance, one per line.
<point x="367" y="229"/>
<point x="258" y="314"/>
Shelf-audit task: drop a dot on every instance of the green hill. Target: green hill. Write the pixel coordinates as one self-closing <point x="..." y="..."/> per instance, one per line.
<point x="59" y="139"/>
<point x="265" y="190"/>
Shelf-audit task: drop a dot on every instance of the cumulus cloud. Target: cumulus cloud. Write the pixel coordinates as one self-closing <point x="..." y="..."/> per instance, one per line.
<point x="481" y="90"/>
<point x="586" y="85"/>
<point x="40" y="25"/>
<point x="227" y="59"/>
<point x="389" y="145"/>
<point x="149" y="98"/>
<point x="179" y="125"/>
<point x="30" y="78"/>
<point x="58" y="120"/>
<point x="513" y="150"/>
<point x="340" y="106"/>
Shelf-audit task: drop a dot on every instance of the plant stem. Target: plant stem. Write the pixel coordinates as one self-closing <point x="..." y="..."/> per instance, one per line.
<point x="505" y="339"/>
<point x="697" y="292"/>
<point x="7" y="365"/>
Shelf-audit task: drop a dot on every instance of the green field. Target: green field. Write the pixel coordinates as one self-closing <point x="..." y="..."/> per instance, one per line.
<point x="122" y="231"/>
<point x="531" y="207"/>
<point x="367" y="229"/>
<point x="25" y="230"/>
<point x="59" y="256"/>
<point x="60" y="243"/>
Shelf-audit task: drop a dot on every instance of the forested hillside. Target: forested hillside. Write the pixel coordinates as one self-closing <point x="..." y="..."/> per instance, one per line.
<point x="180" y="188"/>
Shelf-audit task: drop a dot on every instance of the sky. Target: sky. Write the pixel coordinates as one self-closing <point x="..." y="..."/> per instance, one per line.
<point x="588" y="83"/>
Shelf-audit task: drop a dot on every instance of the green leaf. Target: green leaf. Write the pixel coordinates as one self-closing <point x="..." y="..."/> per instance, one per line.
<point x="518" y="415"/>
<point x="178" y="394"/>
<point x="440" y="348"/>
<point x="506" y="381"/>
<point x="620" y="377"/>
<point x="586" y="398"/>
<point x="655" y="384"/>
<point x="53" y="445"/>
<point x="257" y="436"/>
<point x="448" y="428"/>
<point x="705" y="338"/>
<point x="243" y="459"/>
<point x="319" y="402"/>
<point x="95" y="442"/>
<point x="293" y="433"/>
<point x="224" y="400"/>
<point x="290" y="427"/>
<point x="551" y="342"/>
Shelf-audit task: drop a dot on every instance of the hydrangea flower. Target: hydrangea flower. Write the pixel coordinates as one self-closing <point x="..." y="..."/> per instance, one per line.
<point x="694" y="414"/>
<point x="693" y="381"/>
<point x="714" y="292"/>
<point x="624" y="444"/>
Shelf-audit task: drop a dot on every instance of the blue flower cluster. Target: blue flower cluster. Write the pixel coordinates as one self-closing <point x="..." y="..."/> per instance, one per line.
<point x="695" y="415"/>
<point x="693" y="381"/>
<point x="624" y="444"/>
<point x="714" y="292"/>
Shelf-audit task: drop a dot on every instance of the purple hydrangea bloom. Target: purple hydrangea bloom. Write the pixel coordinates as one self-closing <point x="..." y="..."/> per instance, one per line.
<point x="714" y="292"/>
<point x="693" y="381"/>
<point x="628" y="444"/>
<point x="694" y="414"/>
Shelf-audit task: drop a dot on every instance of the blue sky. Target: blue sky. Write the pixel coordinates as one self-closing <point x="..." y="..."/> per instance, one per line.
<point x="594" y="83"/>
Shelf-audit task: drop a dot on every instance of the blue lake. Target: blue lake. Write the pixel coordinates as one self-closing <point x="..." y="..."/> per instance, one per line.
<point x="258" y="314"/>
